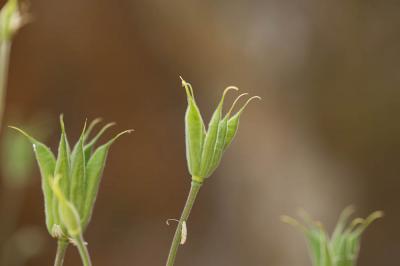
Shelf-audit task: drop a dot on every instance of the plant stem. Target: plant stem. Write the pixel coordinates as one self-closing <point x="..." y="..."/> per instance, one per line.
<point x="5" y="47"/>
<point x="194" y="190"/>
<point x="83" y="251"/>
<point x="62" y="246"/>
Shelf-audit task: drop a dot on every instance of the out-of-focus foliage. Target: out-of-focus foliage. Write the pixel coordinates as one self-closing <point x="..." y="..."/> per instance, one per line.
<point x="11" y="20"/>
<point x="24" y="244"/>
<point x="342" y="248"/>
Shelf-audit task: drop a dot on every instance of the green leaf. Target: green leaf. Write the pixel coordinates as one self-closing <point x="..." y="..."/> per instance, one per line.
<point x="78" y="175"/>
<point x="94" y="171"/>
<point x="46" y="162"/>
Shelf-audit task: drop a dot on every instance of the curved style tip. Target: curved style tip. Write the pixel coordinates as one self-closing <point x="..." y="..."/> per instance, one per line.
<point x="293" y="222"/>
<point x="355" y="223"/>
<point x="248" y="101"/>
<point x="288" y="220"/>
<point x="31" y="139"/>
<point x="224" y="94"/>
<point x="91" y="126"/>
<point x="107" y="126"/>
<point x="188" y="88"/>
<point x="348" y="210"/>
<point x="235" y="102"/>
<point x="230" y="88"/>
<point x="373" y="216"/>
<point x="96" y="120"/>
<point x="84" y="127"/>
<point x="119" y="135"/>
<point x="100" y="133"/>
<point x="129" y="131"/>
<point x="182" y="80"/>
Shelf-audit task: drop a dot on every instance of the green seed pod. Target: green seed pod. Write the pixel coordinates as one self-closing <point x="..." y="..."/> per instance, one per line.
<point x="47" y="163"/>
<point x="343" y="246"/>
<point x="194" y="131"/>
<point x="78" y="174"/>
<point x="219" y="145"/>
<point x="68" y="213"/>
<point x="62" y="169"/>
<point x="204" y="149"/>
<point x="211" y="137"/>
<point x="94" y="170"/>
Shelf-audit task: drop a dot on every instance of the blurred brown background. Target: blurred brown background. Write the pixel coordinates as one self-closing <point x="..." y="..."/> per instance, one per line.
<point x="326" y="134"/>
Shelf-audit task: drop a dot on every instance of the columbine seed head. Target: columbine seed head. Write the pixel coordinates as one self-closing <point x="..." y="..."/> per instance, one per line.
<point x="71" y="181"/>
<point x="343" y="246"/>
<point x="204" y="148"/>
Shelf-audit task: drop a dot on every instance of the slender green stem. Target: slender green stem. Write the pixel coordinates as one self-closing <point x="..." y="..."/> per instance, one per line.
<point x="5" y="47"/>
<point x="62" y="246"/>
<point x="194" y="190"/>
<point x="83" y="251"/>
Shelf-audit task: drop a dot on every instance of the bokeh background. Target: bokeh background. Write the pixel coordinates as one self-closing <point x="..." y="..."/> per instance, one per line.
<point x="325" y="135"/>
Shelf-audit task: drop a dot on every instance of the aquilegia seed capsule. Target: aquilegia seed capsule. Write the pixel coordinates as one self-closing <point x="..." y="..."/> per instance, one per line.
<point x="204" y="148"/>
<point x="71" y="181"/>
